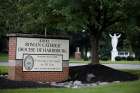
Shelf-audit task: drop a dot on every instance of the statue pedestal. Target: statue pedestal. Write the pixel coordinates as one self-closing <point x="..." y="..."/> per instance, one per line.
<point x="78" y="55"/>
<point x="114" y="54"/>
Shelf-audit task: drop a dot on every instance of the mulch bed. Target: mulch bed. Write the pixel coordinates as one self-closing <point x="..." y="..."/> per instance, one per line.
<point x="5" y="83"/>
<point x="101" y="73"/>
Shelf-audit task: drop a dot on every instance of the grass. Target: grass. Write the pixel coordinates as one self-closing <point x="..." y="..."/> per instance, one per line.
<point x="124" y="87"/>
<point x="3" y="57"/>
<point x="3" y="69"/>
<point x="135" y="72"/>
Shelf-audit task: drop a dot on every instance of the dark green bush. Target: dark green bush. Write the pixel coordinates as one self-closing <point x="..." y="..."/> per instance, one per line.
<point x="123" y="58"/>
<point x="129" y="58"/>
<point x="104" y="58"/>
<point x="118" y="58"/>
<point x="138" y="58"/>
<point x="86" y="58"/>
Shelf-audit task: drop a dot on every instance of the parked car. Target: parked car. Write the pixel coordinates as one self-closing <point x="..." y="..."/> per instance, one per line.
<point x="125" y="54"/>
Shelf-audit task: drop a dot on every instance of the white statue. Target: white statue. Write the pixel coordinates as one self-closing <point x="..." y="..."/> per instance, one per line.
<point x="114" y="42"/>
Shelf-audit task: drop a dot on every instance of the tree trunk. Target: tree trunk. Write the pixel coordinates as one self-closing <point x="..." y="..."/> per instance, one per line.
<point x="94" y="40"/>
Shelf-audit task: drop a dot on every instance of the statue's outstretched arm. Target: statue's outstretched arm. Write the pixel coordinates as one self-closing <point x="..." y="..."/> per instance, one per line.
<point x="119" y="36"/>
<point x="110" y="35"/>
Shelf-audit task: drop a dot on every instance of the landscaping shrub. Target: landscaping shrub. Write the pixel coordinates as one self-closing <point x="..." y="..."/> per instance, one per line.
<point x="123" y="58"/>
<point x="129" y="58"/>
<point x="138" y="58"/>
<point x="104" y="58"/>
<point x="86" y="58"/>
<point x="118" y="58"/>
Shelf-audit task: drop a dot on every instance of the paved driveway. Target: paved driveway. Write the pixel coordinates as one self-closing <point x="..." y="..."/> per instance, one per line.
<point x="115" y="66"/>
<point x="3" y="63"/>
<point x="124" y="66"/>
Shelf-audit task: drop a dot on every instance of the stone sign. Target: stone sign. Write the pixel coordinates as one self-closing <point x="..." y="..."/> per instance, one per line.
<point x="38" y="58"/>
<point x="42" y="46"/>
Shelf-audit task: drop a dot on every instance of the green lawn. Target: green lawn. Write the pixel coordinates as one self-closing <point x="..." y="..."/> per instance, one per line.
<point x="135" y="72"/>
<point x="124" y="87"/>
<point x="3" y="57"/>
<point x="3" y="70"/>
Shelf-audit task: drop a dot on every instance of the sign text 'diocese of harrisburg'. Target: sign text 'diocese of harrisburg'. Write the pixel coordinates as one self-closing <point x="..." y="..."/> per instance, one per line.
<point x="42" y="46"/>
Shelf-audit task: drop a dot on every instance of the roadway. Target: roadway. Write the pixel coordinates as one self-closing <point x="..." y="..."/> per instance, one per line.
<point x="115" y="66"/>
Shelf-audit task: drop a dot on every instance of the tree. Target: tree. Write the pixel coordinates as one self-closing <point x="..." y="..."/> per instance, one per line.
<point x="93" y="16"/>
<point x="26" y="16"/>
<point x="9" y="21"/>
<point x="11" y="18"/>
<point x="133" y="25"/>
<point x="38" y="17"/>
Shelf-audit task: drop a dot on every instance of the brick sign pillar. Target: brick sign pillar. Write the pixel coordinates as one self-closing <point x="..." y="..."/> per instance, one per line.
<point x="43" y="69"/>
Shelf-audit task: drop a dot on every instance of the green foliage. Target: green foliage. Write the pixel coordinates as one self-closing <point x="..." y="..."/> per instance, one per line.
<point x="104" y="58"/>
<point x="11" y="19"/>
<point x="92" y="16"/>
<point x="3" y="70"/>
<point x="3" y="57"/>
<point x="95" y="17"/>
<point x="133" y="34"/>
<point x="81" y="13"/>
<point x="130" y="58"/>
<point x="73" y="15"/>
<point x="133" y="25"/>
<point x="26" y="16"/>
